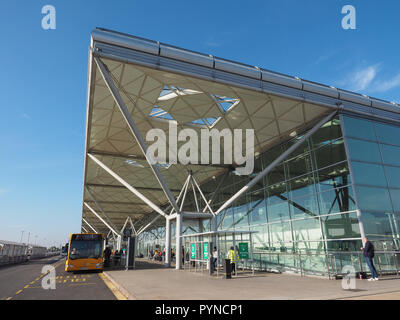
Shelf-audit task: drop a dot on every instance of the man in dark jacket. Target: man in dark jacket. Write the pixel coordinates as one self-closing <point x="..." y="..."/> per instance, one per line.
<point x="369" y="252"/>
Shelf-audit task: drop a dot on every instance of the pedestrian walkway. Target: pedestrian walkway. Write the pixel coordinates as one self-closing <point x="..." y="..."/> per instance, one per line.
<point x="152" y="281"/>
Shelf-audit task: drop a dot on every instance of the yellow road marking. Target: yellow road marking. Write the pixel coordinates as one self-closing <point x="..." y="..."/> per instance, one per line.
<point x="18" y="292"/>
<point x="118" y="294"/>
<point x="32" y="282"/>
<point x="9" y="298"/>
<point x="26" y="286"/>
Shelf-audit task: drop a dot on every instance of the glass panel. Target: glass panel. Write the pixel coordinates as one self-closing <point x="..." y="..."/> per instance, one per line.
<point x="375" y="199"/>
<point x="301" y="186"/>
<point x="227" y="221"/>
<point x="395" y="195"/>
<point x="364" y="151"/>
<point x="387" y="133"/>
<point x="241" y="216"/>
<point x="327" y="133"/>
<point x="366" y="173"/>
<point x="304" y="207"/>
<point x="280" y="232"/>
<point x="330" y="154"/>
<point x="393" y="176"/>
<point x="380" y="225"/>
<point x="276" y="175"/>
<point x="336" y="200"/>
<point x="341" y="226"/>
<point x="257" y="208"/>
<point x="390" y="155"/>
<point x="344" y="245"/>
<point x="299" y="166"/>
<point x="307" y="229"/>
<point x="278" y="209"/>
<point x="334" y="176"/>
<point x="359" y="128"/>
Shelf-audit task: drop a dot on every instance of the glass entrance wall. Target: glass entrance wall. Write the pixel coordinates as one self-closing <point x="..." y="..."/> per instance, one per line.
<point x="302" y="211"/>
<point x="374" y="154"/>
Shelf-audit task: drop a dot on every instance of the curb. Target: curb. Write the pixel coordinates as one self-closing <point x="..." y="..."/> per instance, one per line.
<point x="125" y="292"/>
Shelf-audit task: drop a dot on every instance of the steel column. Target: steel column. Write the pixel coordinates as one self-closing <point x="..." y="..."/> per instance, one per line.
<point x="178" y="242"/>
<point x="167" y="243"/>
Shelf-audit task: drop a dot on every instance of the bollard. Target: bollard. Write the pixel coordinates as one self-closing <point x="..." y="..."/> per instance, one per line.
<point x="211" y="266"/>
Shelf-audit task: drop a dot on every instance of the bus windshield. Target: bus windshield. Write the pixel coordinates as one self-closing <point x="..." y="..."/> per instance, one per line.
<point x="81" y="248"/>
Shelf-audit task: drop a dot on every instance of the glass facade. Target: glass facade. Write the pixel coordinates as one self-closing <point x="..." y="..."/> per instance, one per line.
<point x="305" y="210"/>
<point x="374" y="155"/>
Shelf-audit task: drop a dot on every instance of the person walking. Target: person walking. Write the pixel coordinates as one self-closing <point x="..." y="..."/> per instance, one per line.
<point x="369" y="252"/>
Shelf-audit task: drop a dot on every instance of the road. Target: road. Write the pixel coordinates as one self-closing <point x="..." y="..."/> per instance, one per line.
<point x="24" y="282"/>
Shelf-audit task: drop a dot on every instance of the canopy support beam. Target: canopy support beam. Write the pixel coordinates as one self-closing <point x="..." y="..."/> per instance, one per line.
<point x="128" y="186"/>
<point x="278" y="160"/>
<point x="132" y="126"/>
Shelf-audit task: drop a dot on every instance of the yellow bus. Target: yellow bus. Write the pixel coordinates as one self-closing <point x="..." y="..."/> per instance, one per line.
<point x="85" y="252"/>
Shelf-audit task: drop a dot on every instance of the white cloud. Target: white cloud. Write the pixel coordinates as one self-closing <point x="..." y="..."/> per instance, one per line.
<point x="361" y="79"/>
<point x="382" y="86"/>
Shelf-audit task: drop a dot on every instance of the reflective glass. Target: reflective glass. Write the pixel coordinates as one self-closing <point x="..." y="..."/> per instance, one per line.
<point x="330" y="154"/>
<point x="380" y="225"/>
<point x="390" y="154"/>
<point x="227" y="221"/>
<point x="370" y="174"/>
<point x="393" y="176"/>
<point x="241" y="215"/>
<point x="280" y="232"/>
<point x="341" y="226"/>
<point x="257" y="208"/>
<point x="387" y="133"/>
<point x="327" y="133"/>
<point x="359" y="128"/>
<point x="307" y="229"/>
<point x="277" y="209"/>
<point x="335" y="176"/>
<point x="336" y="200"/>
<point x="374" y="199"/>
<point x="276" y="175"/>
<point x="363" y="150"/>
<point x="395" y="195"/>
<point x="301" y="186"/>
<point x="304" y="207"/>
<point x="299" y="166"/>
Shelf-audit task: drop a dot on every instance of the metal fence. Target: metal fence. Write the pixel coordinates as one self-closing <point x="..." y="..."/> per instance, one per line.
<point x="329" y="265"/>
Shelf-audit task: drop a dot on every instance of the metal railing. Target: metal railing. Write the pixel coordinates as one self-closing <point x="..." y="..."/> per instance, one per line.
<point x="327" y="265"/>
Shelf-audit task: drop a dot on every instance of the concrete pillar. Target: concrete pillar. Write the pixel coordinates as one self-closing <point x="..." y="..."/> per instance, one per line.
<point x="167" y="243"/>
<point x="178" y="239"/>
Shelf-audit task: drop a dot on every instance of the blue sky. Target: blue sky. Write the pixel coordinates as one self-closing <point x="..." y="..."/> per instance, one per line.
<point x="44" y="74"/>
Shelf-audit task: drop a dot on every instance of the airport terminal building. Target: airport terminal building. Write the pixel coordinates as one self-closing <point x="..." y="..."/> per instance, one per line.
<point x="326" y="168"/>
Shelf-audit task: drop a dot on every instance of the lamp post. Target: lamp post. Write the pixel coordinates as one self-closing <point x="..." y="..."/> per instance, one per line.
<point x="22" y="234"/>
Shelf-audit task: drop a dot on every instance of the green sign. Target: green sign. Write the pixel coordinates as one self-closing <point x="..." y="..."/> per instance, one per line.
<point x="205" y="250"/>
<point x="244" y="250"/>
<point x="193" y="250"/>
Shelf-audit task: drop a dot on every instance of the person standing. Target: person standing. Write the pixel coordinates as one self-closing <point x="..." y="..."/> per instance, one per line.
<point x="369" y="252"/>
<point x="232" y="258"/>
<point x="214" y="258"/>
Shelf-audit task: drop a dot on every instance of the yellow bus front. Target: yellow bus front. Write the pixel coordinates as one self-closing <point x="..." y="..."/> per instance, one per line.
<point x="85" y="252"/>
